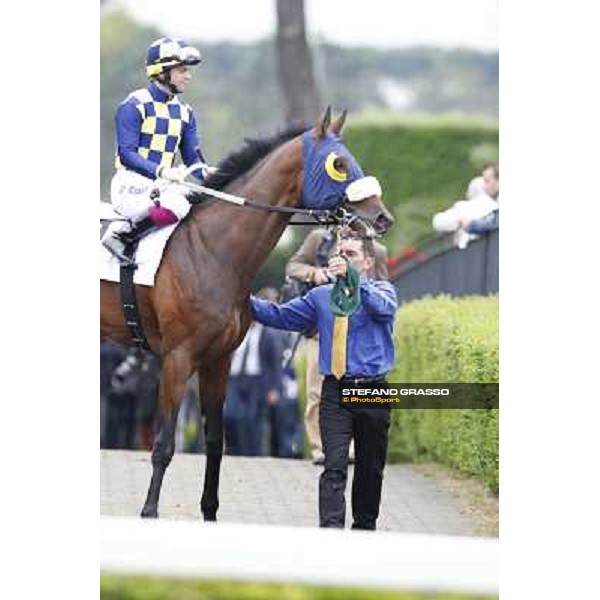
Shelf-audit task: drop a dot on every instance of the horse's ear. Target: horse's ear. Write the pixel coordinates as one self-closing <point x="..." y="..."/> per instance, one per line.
<point x="338" y="124"/>
<point x="323" y="124"/>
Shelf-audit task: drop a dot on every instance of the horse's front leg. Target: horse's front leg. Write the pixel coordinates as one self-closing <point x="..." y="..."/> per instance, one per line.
<point x="177" y="368"/>
<point x="213" y="387"/>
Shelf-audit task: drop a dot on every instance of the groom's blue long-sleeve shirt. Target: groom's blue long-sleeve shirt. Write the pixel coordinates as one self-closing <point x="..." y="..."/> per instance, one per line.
<point x="370" y="348"/>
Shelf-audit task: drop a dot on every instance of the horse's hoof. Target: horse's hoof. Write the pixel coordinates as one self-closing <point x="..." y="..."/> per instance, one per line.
<point x="210" y="517"/>
<point x="149" y="513"/>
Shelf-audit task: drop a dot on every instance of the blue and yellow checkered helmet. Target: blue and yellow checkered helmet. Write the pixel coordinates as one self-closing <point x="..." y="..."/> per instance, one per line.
<point x="168" y="52"/>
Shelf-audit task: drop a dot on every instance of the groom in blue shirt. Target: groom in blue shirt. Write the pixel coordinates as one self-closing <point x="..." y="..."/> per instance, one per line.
<point x="369" y="357"/>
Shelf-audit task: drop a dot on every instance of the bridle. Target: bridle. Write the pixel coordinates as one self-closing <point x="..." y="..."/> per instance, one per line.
<point x="340" y="216"/>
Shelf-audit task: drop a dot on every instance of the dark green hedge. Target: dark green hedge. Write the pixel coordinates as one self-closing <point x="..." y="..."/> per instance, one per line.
<point x="444" y="340"/>
<point x="424" y="165"/>
<point x="448" y="340"/>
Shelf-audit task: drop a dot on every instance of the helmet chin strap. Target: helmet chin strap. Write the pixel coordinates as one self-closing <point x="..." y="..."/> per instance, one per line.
<point x="166" y="81"/>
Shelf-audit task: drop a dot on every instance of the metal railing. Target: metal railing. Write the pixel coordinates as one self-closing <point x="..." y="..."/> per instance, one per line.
<point x="437" y="267"/>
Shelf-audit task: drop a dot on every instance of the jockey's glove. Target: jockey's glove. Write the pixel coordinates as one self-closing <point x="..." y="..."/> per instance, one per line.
<point x="176" y="174"/>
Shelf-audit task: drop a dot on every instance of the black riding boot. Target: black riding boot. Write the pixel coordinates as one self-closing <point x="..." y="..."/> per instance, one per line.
<point x="119" y="241"/>
<point x="139" y="229"/>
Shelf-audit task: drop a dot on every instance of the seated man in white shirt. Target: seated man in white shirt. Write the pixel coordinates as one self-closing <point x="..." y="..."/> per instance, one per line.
<point x="477" y="206"/>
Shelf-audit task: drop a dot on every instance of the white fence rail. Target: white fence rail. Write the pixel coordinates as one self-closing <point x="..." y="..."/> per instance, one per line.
<point x="303" y="555"/>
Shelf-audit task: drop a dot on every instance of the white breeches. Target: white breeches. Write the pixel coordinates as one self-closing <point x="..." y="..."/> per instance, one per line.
<point x="130" y="195"/>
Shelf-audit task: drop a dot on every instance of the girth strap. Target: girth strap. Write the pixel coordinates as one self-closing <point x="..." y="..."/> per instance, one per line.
<point x="128" y="299"/>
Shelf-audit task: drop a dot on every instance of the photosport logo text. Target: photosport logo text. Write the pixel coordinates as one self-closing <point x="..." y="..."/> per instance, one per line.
<point x="422" y="395"/>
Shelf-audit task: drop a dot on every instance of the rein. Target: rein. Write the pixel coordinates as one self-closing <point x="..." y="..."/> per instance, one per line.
<point x="322" y="216"/>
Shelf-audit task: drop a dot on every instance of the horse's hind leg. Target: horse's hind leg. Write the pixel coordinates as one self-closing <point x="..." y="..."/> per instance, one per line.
<point x="213" y="386"/>
<point x="177" y="368"/>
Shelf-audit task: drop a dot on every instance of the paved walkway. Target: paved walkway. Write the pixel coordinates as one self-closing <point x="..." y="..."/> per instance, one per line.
<point x="273" y="491"/>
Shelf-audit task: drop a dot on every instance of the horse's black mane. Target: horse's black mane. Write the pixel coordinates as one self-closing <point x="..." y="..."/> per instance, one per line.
<point x="241" y="161"/>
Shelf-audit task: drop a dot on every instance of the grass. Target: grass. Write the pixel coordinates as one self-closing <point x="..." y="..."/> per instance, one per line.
<point x="146" y="588"/>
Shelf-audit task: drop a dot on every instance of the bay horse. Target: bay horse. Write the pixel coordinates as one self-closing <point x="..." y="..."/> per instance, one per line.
<point x="198" y="311"/>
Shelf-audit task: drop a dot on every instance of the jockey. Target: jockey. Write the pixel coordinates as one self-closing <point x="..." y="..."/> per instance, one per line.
<point x="152" y="125"/>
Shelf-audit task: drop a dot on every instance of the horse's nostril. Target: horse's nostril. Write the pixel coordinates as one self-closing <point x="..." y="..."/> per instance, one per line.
<point x="383" y="223"/>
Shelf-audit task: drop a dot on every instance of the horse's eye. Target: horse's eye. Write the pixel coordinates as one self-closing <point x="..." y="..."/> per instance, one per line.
<point x="336" y="167"/>
<point x="340" y="164"/>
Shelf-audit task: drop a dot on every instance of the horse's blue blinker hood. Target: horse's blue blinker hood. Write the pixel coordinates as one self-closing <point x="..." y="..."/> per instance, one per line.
<point x="325" y="182"/>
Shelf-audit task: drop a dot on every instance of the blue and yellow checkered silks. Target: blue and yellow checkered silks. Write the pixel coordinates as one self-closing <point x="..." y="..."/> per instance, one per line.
<point x="168" y="52"/>
<point x="161" y="128"/>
